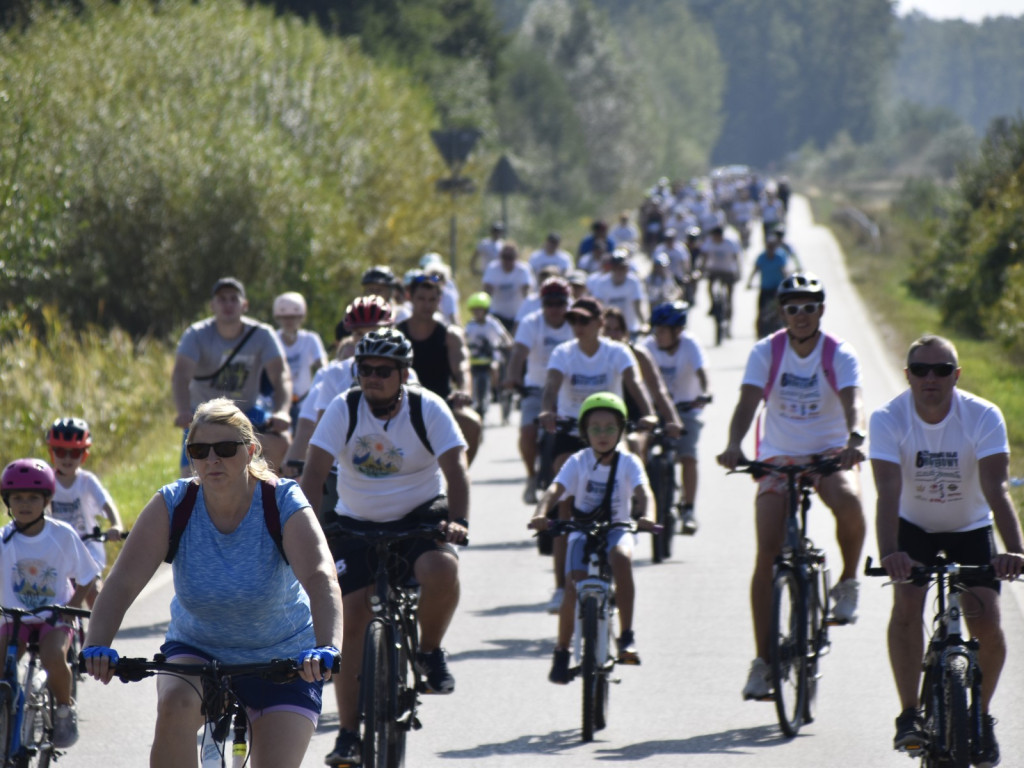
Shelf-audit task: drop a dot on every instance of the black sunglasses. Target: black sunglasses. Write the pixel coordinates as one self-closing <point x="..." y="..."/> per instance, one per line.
<point x="578" y="319"/>
<point x="941" y="370"/>
<point x="225" y="449"/>
<point x="795" y="309"/>
<point x="380" y="371"/>
<point x="61" y="453"/>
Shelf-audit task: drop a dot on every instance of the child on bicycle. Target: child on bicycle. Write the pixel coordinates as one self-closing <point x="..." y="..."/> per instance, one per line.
<point x="39" y="557"/>
<point x="80" y="500"/>
<point x="486" y="338"/>
<point x="584" y="481"/>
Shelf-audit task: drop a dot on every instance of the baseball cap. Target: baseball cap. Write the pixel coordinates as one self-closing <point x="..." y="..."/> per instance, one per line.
<point x="228" y="282"/>
<point x="588" y="308"/>
<point x="577" y="277"/>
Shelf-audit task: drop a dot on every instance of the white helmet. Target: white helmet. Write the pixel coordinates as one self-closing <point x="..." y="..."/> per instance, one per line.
<point x="289" y="304"/>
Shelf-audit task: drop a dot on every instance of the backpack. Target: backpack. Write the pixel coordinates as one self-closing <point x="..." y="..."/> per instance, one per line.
<point x="828" y="356"/>
<point x="183" y="511"/>
<point x="415" y="398"/>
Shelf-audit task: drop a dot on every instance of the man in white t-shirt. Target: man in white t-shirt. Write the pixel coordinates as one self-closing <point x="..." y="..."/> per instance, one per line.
<point x="487" y="249"/>
<point x="304" y="350"/>
<point x="940" y="458"/>
<point x="391" y="476"/>
<point x="720" y="262"/>
<point x="551" y="254"/>
<point x="810" y="383"/>
<point x="619" y="288"/>
<point x="625" y="232"/>
<point x="508" y="280"/>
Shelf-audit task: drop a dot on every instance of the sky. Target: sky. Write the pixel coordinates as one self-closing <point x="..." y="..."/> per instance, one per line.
<point x="968" y="10"/>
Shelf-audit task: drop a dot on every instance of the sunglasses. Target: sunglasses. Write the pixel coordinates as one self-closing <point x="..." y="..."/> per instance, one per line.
<point x="795" y="309"/>
<point x="367" y="371"/>
<point x="225" y="449"/>
<point x="425" y="279"/>
<point x="578" y="320"/>
<point x="941" y="370"/>
<point x="594" y="429"/>
<point x="62" y="453"/>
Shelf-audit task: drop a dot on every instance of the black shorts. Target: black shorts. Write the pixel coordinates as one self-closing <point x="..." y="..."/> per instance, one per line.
<point x="567" y="443"/>
<point x="356" y="559"/>
<point x="976" y="547"/>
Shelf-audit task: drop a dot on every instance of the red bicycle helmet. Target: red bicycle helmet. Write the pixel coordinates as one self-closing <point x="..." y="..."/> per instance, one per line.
<point x="555" y="287"/>
<point x="69" y="433"/>
<point x="27" y="475"/>
<point x="368" y="312"/>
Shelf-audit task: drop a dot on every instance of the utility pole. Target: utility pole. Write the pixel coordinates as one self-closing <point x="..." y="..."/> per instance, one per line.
<point x="455" y="146"/>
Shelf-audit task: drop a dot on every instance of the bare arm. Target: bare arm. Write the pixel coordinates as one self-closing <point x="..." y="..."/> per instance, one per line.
<point x="551" y="496"/>
<point x="281" y="378"/>
<point x="184" y="370"/>
<point x="655" y="384"/>
<point x="854" y="410"/>
<point x="453" y="465"/>
<point x="889" y="485"/>
<point x="318" y="465"/>
<point x="458" y="359"/>
<point x="549" y="399"/>
<point x="514" y="370"/>
<point x="994" y="473"/>
<point x="635" y="387"/>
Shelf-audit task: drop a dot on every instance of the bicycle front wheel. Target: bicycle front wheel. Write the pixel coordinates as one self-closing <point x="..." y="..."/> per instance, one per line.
<point x="589" y="666"/>
<point x="6" y="721"/>
<point x="659" y="473"/>
<point x="377" y="691"/>
<point x="37" y="723"/>
<point x="788" y="650"/>
<point x="955" y="721"/>
<point x="817" y="636"/>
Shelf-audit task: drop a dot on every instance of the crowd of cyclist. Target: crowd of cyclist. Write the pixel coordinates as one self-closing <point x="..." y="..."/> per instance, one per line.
<point x="591" y="346"/>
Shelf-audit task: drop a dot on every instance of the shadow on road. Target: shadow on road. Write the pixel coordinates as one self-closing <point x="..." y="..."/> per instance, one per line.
<point x="508" y="648"/>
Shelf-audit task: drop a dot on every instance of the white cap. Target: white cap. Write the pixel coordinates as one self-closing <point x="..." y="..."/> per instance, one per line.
<point x="289" y="304"/>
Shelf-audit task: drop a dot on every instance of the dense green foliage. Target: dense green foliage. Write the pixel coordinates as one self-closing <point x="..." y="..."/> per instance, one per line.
<point x="974" y="70"/>
<point x="143" y="154"/>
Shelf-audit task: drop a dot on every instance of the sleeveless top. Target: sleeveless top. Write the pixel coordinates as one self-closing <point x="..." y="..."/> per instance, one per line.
<point x="430" y="359"/>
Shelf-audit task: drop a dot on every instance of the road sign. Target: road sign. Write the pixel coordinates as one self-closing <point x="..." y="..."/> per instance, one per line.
<point x="455" y="145"/>
<point x="457" y="185"/>
<point x="504" y="179"/>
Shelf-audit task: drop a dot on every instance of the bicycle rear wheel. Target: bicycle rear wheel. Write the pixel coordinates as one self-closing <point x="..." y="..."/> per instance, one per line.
<point x="659" y="472"/>
<point x="6" y="720"/>
<point x="788" y="652"/>
<point x="37" y="722"/>
<point x="588" y="667"/>
<point x="955" y="721"/>
<point x="377" y="691"/>
<point x="817" y="636"/>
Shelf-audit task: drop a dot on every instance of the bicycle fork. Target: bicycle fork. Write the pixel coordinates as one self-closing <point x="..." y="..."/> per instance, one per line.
<point x="597" y="588"/>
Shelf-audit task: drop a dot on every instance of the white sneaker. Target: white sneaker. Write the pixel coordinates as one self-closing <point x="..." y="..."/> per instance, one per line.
<point x="759" y="684"/>
<point x="65" y="726"/>
<point x="555" y="604"/>
<point x="845" y="595"/>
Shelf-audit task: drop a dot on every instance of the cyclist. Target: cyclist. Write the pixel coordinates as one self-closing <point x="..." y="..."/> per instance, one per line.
<point x="940" y="458"/>
<point x="304" y="350"/>
<point x="720" y="261"/>
<point x="384" y="471"/>
<point x="773" y="213"/>
<point x="625" y="232"/>
<point x="487" y="249"/>
<point x="508" y="280"/>
<point x="810" y="383"/>
<point x="223" y="356"/>
<point x="594" y="245"/>
<point x="660" y="283"/>
<point x="621" y="289"/>
<point x="577" y="369"/>
<point x="39" y="557"/>
<point x="448" y="307"/>
<point x="381" y="281"/>
<point x="680" y="361"/>
<point x="487" y="340"/>
<point x="584" y="480"/>
<point x="536" y="337"/>
<point x="551" y="254"/>
<point x="80" y="499"/>
<point x="441" y="357"/>
<point x="242" y="594"/>
<point x="773" y="264"/>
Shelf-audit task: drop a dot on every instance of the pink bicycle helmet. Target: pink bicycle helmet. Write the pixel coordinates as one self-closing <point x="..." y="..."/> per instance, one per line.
<point x="27" y="475"/>
<point x="368" y="312"/>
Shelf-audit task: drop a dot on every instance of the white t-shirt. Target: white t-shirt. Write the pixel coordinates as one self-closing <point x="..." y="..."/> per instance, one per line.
<point x="941" y="490"/>
<point x="307" y="350"/>
<point x="541" y="339"/>
<point x="561" y="259"/>
<point x="803" y="415"/>
<point x="309" y="410"/>
<point x="36" y="570"/>
<point x="721" y="257"/>
<point x="489" y="250"/>
<point x="81" y="507"/>
<point x="678" y="258"/>
<point x="587" y="484"/>
<point x="625" y="233"/>
<point x="583" y="376"/>
<point x="679" y="369"/>
<point x="507" y="287"/>
<point x="385" y="471"/>
<point x="530" y="305"/>
<point x="484" y="339"/>
<point x="624" y="296"/>
<point x="743" y="210"/>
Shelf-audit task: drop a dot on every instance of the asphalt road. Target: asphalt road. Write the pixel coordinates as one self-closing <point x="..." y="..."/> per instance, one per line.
<point x="683" y="704"/>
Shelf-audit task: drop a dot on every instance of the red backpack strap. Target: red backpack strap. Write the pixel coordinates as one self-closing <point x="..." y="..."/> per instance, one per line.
<point x="182" y="513"/>
<point x="272" y="515"/>
<point x="778" y="347"/>
<point x="828" y="360"/>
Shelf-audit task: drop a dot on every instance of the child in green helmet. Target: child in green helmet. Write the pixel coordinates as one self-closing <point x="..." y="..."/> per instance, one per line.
<point x="487" y="340"/>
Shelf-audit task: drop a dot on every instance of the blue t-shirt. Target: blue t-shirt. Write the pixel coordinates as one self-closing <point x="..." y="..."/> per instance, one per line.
<point x="235" y="597"/>
<point x="773" y="269"/>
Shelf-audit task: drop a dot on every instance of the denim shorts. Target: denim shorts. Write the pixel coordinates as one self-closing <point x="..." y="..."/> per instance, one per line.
<point x="686" y="445"/>
<point x="576" y="556"/>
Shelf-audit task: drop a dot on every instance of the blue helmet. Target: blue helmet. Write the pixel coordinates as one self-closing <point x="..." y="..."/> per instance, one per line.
<point x="671" y="313"/>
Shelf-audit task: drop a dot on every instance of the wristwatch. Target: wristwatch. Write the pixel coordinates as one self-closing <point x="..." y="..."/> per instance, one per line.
<point x="858" y="436"/>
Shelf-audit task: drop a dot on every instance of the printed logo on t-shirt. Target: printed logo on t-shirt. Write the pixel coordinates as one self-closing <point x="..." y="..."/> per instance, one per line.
<point x="35" y="583"/>
<point x="550" y="341"/>
<point x="938" y="477"/>
<point x="800" y="395"/>
<point x="69" y="512"/>
<point x="583" y="380"/>
<point x="376" y="456"/>
<point x="938" y="459"/>
<point x="668" y="373"/>
<point x="231" y="380"/>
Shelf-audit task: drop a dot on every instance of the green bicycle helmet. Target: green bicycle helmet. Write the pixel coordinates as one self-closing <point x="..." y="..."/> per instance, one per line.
<point x="602" y="401"/>
<point x="479" y="300"/>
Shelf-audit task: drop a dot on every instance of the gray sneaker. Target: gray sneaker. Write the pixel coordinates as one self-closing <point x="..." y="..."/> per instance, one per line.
<point x="844" y="594"/>
<point x="759" y="684"/>
<point x="65" y="726"/>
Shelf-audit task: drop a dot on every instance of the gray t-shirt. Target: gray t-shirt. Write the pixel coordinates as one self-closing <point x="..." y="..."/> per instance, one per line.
<point x="240" y="380"/>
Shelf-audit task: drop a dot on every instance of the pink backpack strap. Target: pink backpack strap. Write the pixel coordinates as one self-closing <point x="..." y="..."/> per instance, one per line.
<point x="778" y="347"/>
<point x="828" y="357"/>
<point x="828" y="360"/>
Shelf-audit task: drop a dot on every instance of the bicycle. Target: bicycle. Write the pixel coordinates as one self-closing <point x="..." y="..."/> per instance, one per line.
<point x="27" y="708"/>
<point x="594" y="633"/>
<point x="390" y="683"/>
<point x="721" y="309"/>
<point x="951" y="670"/>
<point x="800" y="594"/>
<point x="221" y="707"/>
<point x="661" y="461"/>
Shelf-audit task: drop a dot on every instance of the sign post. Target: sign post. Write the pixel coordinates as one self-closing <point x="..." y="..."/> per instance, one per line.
<point x="455" y="146"/>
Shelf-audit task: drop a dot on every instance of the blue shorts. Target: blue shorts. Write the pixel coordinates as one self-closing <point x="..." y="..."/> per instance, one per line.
<point x="262" y="696"/>
<point x="576" y="556"/>
<point x="686" y="445"/>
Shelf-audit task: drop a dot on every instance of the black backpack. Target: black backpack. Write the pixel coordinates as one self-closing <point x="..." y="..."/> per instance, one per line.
<point x="415" y="397"/>
<point x="183" y="511"/>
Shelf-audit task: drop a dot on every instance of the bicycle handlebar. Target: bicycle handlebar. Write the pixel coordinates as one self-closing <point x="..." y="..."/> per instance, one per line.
<point x="922" y="574"/>
<point x="55" y="611"/>
<point x="420" y="531"/>
<point x="563" y="527"/>
<point x="98" y="534"/>
<point x="758" y="469"/>
<point x="131" y="670"/>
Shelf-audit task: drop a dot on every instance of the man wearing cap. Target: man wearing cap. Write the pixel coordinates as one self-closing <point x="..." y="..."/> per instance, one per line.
<point x="551" y="254"/>
<point x="508" y="280"/>
<point x="487" y="249"/>
<point x="223" y="356"/>
<point x="619" y="288"/>
<point x="577" y="369"/>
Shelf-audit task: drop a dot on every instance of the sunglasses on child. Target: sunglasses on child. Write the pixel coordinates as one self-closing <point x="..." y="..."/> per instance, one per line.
<point x="62" y="453"/>
<point x="941" y="370"/>
<point x="795" y="309"/>
<point x="225" y="449"/>
<point x="367" y="371"/>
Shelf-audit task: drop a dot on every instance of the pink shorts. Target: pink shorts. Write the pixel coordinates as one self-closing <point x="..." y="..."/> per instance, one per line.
<point x="27" y="628"/>
<point x="776" y="483"/>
